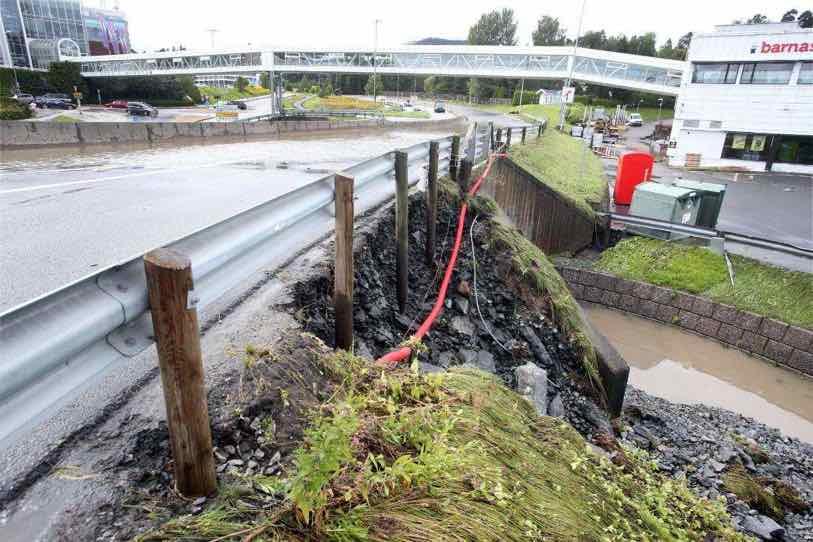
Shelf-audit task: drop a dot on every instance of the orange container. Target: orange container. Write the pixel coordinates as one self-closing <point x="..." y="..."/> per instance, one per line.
<point x="634" y="168"/>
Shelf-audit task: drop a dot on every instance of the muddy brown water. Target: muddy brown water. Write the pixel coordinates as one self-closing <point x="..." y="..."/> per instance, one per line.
<point x="686" y="368"/>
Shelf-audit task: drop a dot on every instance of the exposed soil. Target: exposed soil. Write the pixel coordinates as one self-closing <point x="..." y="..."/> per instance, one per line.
<point x="258" y="418"/>
<point x="509" y="329"/>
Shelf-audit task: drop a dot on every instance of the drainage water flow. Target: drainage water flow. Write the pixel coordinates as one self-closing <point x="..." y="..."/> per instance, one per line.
<point x="685" y="368"/>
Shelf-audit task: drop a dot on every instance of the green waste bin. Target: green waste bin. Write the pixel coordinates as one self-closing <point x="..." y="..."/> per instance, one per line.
<point x="711" y="200"/>
<point x="666" y="203"/>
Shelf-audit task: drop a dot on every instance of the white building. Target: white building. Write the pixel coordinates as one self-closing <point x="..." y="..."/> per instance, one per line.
<point x="747" y="101"/>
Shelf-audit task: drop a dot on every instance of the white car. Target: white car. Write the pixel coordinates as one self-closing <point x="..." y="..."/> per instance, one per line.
<point x="635" y="119"/>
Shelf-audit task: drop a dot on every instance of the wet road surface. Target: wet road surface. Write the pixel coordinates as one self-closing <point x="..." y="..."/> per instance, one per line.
<point x="685" y="368"/>
<point x="65" y="213"/>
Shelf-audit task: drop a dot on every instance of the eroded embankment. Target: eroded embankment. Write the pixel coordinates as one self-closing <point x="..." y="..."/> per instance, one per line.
<point x="401" y="456"/>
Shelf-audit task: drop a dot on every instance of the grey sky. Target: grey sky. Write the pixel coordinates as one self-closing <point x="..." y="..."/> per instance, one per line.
<point x="163" y="23"/>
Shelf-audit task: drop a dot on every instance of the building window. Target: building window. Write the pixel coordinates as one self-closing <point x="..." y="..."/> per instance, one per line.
<point x="767" y="73"/>
<point x="806" y="74"/>
<point x="691" y="123"/>
<point x="715" y="124"/>
<point x="795" y="150"/>
<point x="753" y="147"/>
<point x="715" y="74"/>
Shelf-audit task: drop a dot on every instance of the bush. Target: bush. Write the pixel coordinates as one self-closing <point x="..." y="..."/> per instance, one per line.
<point x="326" y="91"/>
<point x="576" y="113"/>
<point x="11" y="110"/>
<point x="528" y="97"/>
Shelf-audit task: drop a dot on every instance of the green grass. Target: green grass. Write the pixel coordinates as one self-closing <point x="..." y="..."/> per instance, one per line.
<point x="228" y="94"/>
<point x="397" y="456"/>
<point x="289" y="101"/>
<point x="348" y="103"/>
<point x="561" y="162"/>
<point x="759" y="288"/>
<point x="66" y="119"/>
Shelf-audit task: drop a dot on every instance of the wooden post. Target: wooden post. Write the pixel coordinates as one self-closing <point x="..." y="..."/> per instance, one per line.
<point x="343" y="286"/>
<point x="491" y="136"/>
<point x="508" y="138"/>
<point x="175" y="321"/>
<point x="539" y="132"/>
<point x="455" y="158"/>
<point x="465" y="176"/>
<point x="524" y="133"/>
<point x="402" y="227"/>
<point x="432" y="202"/>
<point x="499" y="137"/>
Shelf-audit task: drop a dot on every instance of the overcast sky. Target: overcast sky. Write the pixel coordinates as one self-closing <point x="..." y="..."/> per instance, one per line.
<point x="318" y="23"/>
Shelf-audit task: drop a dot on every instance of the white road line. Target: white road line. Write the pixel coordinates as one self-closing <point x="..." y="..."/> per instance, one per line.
<point x="117" y="177"/>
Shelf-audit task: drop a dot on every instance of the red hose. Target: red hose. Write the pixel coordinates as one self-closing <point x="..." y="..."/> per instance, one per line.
<point x="405" y="352"/>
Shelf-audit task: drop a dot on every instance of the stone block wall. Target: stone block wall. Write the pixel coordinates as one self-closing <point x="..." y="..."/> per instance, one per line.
<point x="788" y="345"/>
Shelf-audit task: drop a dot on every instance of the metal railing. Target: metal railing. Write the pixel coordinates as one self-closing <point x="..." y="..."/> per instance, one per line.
<point x="57" y="342"/>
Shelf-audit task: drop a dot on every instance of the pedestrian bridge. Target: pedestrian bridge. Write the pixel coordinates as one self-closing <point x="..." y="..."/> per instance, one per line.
<point x="618" y="70"/>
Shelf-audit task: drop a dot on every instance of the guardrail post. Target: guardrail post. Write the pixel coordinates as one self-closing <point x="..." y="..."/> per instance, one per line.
<point x="454" y="158"/>
<point x="524" y="133"/>
<point x="402" y="227"/>
<point x="432" y="202"/>
<point x="465" y="175"/>
<point x="539" y="131"/>
<point x="508" y="138"/>
<point x="175" y="321"/>
<point x="499" y="137"/>
<point x="491" y="136"/>
<point x="343" y="286"/>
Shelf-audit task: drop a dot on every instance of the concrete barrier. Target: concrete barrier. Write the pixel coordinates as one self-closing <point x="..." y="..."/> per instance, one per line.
<point x="21" y="134"/>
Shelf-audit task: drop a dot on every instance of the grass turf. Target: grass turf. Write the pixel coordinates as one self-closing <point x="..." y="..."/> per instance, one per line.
<point x="398" y="456"/>
<point x="228" y="94"/>
<point x="560" y="161"/>
<point x="759" y="288"/>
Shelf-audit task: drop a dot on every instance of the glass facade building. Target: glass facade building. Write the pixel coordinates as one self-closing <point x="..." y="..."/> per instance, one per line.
<point x="14" y="49"/>
<point x="35" y="32"/>
<point x="107" y="32"/>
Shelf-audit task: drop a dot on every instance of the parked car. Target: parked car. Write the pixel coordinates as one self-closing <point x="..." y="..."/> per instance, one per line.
<point x="241" y="105"/>
<point x="635" y="119"/>
<point x="140" y="109"/>
<point x="57" y="103"/>
<point x="52" y="98"/>
<point x="117" y="104"/>
<point x="440" y="107"/>
<point x="24" y="99"/>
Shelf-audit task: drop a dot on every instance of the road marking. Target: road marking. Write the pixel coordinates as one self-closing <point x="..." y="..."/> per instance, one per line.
<point x="115" y="178"/>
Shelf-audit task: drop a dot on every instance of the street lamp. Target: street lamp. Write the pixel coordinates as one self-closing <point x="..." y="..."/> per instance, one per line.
<point x="569" y="82"/>
<point x="375" y="63"/>
<point x="638" y="107"/>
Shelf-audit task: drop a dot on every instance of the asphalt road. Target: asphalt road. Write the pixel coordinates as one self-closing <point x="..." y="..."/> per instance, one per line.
<point x="65" y="213"/>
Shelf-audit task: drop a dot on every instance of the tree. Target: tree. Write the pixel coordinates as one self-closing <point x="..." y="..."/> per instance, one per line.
<point x="241" y="84"/>
<point x="64" y="76"/>
<point x="682" y="50"/>
<point x="190" y="89"/>
<point x="758" y="18"/>
<point x="374" y="85"/>
<point x="790" y="16"/>
<point x="594" y="40"/>
<point x="549" y="32"/>
<point x="667" y="50"/>
<point x="265" y="80"/>
<point x="495" y="28"/>
<point x="805" y="19"/>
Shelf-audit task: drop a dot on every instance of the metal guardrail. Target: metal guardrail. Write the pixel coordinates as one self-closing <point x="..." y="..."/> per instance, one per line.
<point x="764" y="250"/>
<point x="55" y="343"/>
<point x="692" y="231"/>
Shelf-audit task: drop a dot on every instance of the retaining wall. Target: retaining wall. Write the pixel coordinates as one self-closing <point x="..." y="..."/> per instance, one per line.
<point x="777" y="341"/>
<point x="545" y="217"/>
<point x="21" y="134"/>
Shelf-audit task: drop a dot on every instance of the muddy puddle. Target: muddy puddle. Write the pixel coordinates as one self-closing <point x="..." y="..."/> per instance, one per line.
<point x="686" y="368"/>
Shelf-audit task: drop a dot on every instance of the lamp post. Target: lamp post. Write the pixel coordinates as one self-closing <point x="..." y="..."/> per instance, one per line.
<point x="569" y="82"/>
<point x="638" y="106"/>
<point x="375" y="63"/>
